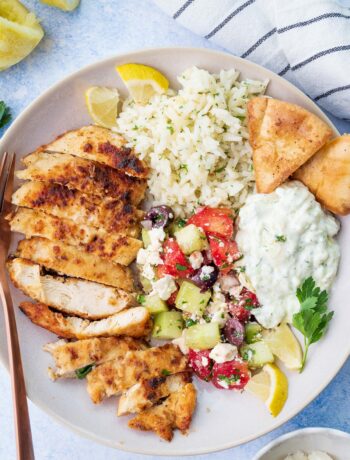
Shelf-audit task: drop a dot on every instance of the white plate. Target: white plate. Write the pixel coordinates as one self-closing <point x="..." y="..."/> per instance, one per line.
<point x="334" y="442"/>
<point x="223" y="419"/>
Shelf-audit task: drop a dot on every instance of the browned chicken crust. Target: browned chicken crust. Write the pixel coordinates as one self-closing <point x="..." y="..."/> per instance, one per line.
<point x="327" y="175"/>
<point x="134" y="322"/>
<point x="283" y="137"/>
<point x="112" y="215"/>
<point x="87" y="176"/>
<point x="70" y="356"/>
<point x="114" y="377"/>
<point x="101" y="145"/>
<point x="175" y="412"/>
<point x="116" y="247"/>
<point x="72" y="262"/>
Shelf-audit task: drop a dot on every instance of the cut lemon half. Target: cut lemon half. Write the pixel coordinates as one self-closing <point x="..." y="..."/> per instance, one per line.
<point x="102" y="104"/>
<point x="65" y="5"/>
<point x="142" y="81"/>
<point x="20" y="32"/>
<point x="284" y="345"/>
<point x="271" y="386"/>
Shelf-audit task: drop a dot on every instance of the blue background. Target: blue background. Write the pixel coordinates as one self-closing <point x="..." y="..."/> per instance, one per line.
<point x="98" y="29"/>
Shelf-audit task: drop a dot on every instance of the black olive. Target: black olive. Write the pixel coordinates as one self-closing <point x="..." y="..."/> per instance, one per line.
<point x="234" y="331"/>
<point x="160" y="216"/>
<point x="205" y="277"/>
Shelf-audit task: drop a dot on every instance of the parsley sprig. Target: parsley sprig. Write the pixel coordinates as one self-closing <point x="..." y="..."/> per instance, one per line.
<point x="313" y="318"/>
<point x="5" y="114"/>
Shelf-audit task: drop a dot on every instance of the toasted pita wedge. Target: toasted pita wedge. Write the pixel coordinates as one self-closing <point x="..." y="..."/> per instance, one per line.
<point x="89" y="177"/>
<point x="113" y="216"/>
<point x="98" y="144"/>
<point x="69" y="295"/>
<point x="146" y="393"/>
<point x="134" y="322"/>
<point x="112" y="378"/>
<point x="327" y="175"/>
<point x="175" y="412"/>
<point x="72" y="356"/>
<point x="69" y="261"/>
<point x="283" y="137"/>
<point x="115" y="247"/>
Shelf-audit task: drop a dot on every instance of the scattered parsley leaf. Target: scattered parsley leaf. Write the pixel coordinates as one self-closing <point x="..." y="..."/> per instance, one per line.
<point x="141" y="298"/>
<point x="313" y="318"/>
<point x="219" y="170"/>
<point x="190" y="322"/>
<point x="181" y="223"/>
<point x="83" y="371"/>
<point x="180" y="267"/>
<point x="165" y="372"/>
<point x="280" y="238"/>
<point x="5" y="114"/>
<point x="229" y="380"/>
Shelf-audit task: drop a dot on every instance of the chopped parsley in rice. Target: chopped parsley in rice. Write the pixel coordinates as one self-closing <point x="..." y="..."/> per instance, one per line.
<point x="195" y="140"/>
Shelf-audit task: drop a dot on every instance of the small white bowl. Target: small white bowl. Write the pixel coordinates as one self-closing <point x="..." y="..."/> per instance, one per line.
<point x="334" y="442"/>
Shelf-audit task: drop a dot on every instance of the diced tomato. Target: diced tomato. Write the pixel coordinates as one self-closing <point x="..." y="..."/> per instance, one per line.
<point x="224" y="252"/>
<point x="162" y="270"/>
<point x="242" y="309"/>
<point x="239" y="312"/>
<point x="172" y="298"/>
<point x="175" y="261"/>
<point x="201" y="363"/>
<point x="232" y="375"/>
<point x="214" y="220"/>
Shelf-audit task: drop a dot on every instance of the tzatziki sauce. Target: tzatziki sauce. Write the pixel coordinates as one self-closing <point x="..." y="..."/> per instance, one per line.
<point x="285" y="237"/>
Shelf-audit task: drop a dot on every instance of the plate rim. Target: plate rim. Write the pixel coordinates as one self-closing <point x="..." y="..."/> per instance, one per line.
<point x="56" y="86"/>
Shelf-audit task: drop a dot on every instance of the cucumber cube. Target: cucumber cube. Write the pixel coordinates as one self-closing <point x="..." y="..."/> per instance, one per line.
<point x="191" y="238"/>
<point x="155" y="304"/>
<point x="253" y="332"/>
<point x="167" y="325"/>
<point x="257" y="354"/>
<point x="191" y="299"/>
<point x="145" y="238"/>
<point x="176" y="226"/>
<point x="146" y="284"/>
<point x="203" y="336"/>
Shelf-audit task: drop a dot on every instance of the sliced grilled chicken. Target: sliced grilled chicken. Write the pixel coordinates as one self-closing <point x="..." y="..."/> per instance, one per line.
<point x="98" y="144"/>
<point x="70" y="295"/>
<point x="114" y="377"/>
<point x="72" y="356"/>
<point x="60" y="201"/>
<point x="175" y="412"/>
<point x="134" y="322"/>
<point x="89" y="177"/>
<point x="146" y="393"/>
<point x="117" y="248"/>
<point x="69" y="261"/>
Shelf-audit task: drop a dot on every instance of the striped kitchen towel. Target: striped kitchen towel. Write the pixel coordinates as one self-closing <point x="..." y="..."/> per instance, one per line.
<point x="305" y="41"/>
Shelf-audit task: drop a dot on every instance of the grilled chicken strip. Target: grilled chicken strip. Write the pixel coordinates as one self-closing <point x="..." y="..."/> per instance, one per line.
<point x="115" y="377"/>
<point x="72" y="356"/>
<point x="112" y="215"/>
<point x="98" y="144"/>
<point x="69" y="261"/>
<point x="117" y="248"/>
<point x="175" y="412"/>
<point x="85" y="299"/>
<point x="134" y="322"/>
<point x="146" y="393"/>
<point x="89" y="177"/>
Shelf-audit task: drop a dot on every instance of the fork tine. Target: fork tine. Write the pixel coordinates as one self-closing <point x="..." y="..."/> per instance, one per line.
<point x="7" y="175"/>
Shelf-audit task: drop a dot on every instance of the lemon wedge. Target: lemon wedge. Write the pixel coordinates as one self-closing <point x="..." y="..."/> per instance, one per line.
<point x="20" y="32"/>
<point x="142" y="81"/>
<point x="284" y="345"/>
<point x="270" y="385"/>
<point x="65" y="5"/>
<point x="102" y="104"/>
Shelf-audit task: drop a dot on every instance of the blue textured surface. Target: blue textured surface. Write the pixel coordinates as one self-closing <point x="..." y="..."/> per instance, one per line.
<point x="99" y="29"/>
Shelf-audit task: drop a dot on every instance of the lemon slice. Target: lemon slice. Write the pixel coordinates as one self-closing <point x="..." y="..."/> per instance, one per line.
<point x="270" y="385"/>
<point x="142" y="81"/>
<point x="283" y="344"/>
<point x="102" y="104"/>
<point x="65" y="5"/>
<point x="20" y="32"/>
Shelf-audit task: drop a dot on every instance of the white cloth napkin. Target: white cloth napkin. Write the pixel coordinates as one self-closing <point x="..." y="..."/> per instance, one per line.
<point x="305" y="41"/>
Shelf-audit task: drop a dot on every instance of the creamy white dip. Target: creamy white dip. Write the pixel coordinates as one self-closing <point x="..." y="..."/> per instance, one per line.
<point x="315" y="455"/>
<point x="285" y="237"/>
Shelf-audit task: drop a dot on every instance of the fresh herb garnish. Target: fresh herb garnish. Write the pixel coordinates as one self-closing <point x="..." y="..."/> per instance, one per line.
<point x="184" y="167"/>
<point x="141" y="298"/>
<point x="180" y="267"/>
<point x="5" y="114"/>
<point x="83" y="371"/>
<point x="280" y="238"/>
<point x="165" y="372"/>
<point x="229" y="380"/>
<point x="219" y="170"/>
<point x="181" y="223"/>
<point x="190" y="322"/>
<point x="170" y="128"/>
<point x="207" y="318"/>
<point x="313" y="318"/>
